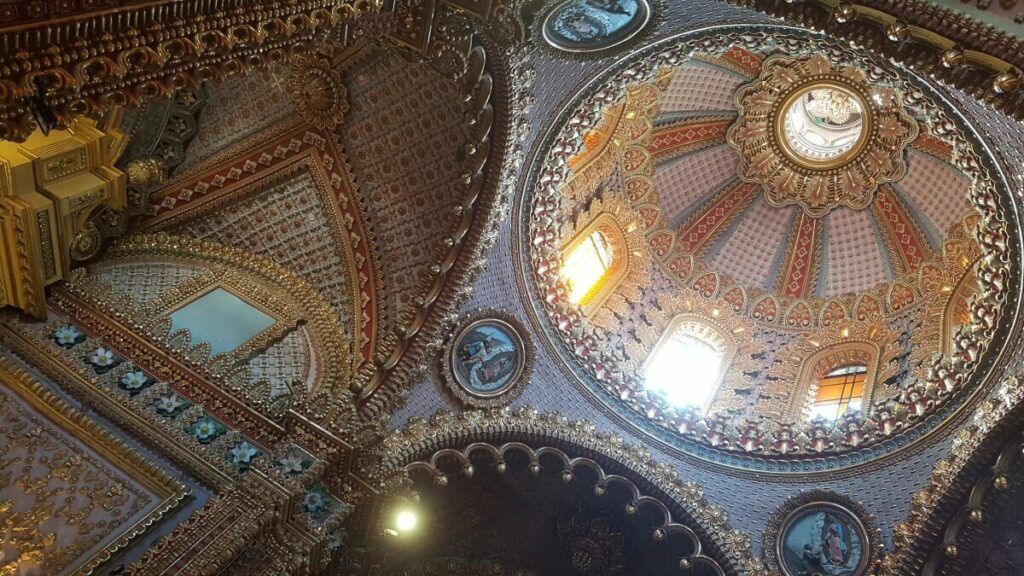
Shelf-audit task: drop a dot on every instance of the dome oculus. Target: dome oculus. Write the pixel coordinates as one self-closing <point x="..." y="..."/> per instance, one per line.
<point x="822" y="124"/>
<point x="819" y="136"/>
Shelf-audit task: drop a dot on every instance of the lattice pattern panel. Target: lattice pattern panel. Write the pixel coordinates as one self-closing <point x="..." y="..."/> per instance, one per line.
<point x="856" y="261"/>
<point x="404" y="135"/>
<point x="749" y="252"/>
<point x="928" y="184"/>
<point x="145" y="281"/>
<point x="685" y="183"/>
<point x="701" y="87"/>
<point x="284" y="363"/>
<point x="238" y="108"/>
<point x="287" y="223"/>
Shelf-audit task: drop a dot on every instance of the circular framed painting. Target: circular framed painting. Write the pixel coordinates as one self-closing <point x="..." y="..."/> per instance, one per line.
<point x="591" y="26"/>
<point x="822" y="533"/>
<point x="487" y="360"/>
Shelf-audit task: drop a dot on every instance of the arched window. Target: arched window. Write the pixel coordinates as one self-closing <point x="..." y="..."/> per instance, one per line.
<point x="958" y="309"/>
<point x="687" y="365"/>
<point x="841" y="389"/>
<point x="835" y="380"/>
<point x="594" y="263"/>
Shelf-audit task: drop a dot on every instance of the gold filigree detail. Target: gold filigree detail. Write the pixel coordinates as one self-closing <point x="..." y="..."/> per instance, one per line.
<point x="317" y="90"/>
<point x="73" y="478"/>
<point x="768" y="156"/>
<point x="966" y="441"/>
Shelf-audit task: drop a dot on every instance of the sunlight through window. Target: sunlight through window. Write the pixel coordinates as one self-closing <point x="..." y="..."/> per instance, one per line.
<point x="586" y="266"/>
<point x="839" y="391"/>
<point x="684" y="369"/>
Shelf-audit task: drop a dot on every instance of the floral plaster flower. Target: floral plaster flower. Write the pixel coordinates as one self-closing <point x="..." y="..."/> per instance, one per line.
<point x="102" y="358"/>
<point x="315" y="501"/>
<point x="169" y="404"/>
<point x="206" y="429"/>
<point x="292" y="463"/>
<point x="242" y="454"/>
<point x="134" y="380"/>
<point x="67" y="336"/>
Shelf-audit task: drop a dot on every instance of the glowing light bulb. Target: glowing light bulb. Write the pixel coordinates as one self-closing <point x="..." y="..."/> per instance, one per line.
<point x="405" y="521"/>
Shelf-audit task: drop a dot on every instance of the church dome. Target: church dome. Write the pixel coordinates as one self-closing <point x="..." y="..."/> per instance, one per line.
<point x="768" y="247"/>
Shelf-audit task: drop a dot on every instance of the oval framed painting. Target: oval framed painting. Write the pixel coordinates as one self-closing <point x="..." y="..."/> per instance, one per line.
<point x="594" y="26"/>
<point x="488" y="360"/>
<point x="821" y="533"/>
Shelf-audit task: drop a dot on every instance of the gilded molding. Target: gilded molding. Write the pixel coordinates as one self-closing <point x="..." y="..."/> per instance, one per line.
<point x="930" y="39"/>
<point x="925" y="511"/>
<point x="142" y="52"/>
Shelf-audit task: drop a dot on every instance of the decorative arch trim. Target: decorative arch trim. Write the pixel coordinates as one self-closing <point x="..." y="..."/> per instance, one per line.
<point x="422" y="439"/>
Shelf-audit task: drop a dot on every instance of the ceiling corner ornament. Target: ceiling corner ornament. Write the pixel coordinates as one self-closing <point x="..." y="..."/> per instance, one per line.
<point x="317" y="89"/>
<point x="488" y="360"/>
<point x="821" y="532"/>
<point x="819" y="136"/>
<point x="583" y="28"/>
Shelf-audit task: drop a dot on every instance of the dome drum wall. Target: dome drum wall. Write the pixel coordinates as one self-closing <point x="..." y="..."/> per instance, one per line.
<point x="912" y="391"/>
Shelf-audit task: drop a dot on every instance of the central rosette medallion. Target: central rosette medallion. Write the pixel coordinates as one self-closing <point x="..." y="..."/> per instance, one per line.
<point x="819" y="136"/>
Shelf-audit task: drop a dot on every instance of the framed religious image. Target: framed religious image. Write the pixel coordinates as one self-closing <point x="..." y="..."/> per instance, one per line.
<point x="821" y="533"/>
<point x="594" y="26"/>
<point x="487" y="361"/>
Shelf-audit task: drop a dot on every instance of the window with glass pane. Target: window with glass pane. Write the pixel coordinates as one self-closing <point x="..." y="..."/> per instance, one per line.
<point x="586" y="267"/>
<point x="221" y="319"/>
<point x="839" y="391"/>
<point x="686" y="366"/>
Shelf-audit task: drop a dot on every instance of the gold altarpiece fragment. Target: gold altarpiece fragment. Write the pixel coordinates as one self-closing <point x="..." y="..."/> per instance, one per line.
<point x="49" y="188"/>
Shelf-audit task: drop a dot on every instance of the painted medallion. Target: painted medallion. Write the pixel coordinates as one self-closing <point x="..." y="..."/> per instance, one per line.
<point x="594" y="25"/>
<point x="822" y="538"/>
<point x="487" y="359"/>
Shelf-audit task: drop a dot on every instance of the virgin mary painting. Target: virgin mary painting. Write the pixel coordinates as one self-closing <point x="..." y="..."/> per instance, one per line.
<point x="822" y="539"/>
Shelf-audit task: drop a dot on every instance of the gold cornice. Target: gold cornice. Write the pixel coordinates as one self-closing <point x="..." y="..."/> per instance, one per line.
<point x="140" y="52"/>
<point x="50" y="188"/>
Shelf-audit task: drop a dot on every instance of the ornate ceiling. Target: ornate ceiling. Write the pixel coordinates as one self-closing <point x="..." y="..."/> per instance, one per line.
<point x="304" y="292"/>
<point x="685" y="146"/>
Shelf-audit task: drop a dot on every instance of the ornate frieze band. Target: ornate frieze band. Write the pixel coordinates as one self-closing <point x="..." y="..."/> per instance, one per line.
<point x="143" y="52"/>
